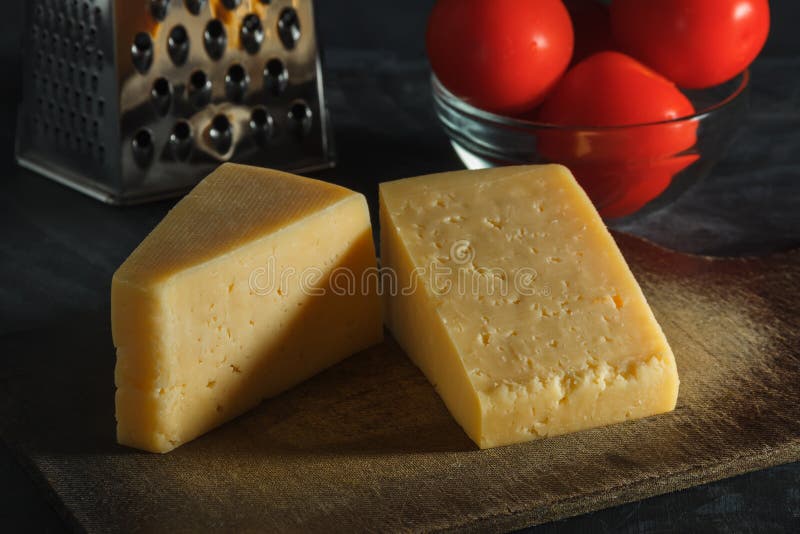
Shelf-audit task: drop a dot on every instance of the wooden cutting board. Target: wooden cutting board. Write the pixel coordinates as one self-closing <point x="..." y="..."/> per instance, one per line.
<point x="368" y="445"/>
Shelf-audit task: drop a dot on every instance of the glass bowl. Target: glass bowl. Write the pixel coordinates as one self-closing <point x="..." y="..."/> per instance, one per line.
<point x="624" y="169"/>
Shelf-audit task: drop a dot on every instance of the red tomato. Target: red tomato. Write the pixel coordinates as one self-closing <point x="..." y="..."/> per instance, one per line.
<point x="591" y="23"/>
<point x="620" y="168"/>
<point x="499" y="55"/>
<point x="623" y="188"/>
<point x="612" y="89"/>
<point x="695" y="43"/>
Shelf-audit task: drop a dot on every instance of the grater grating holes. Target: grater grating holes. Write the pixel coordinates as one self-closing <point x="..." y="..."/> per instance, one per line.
<point x="181" y="140"/>
<point x="143" y="147"/>
<point x="159" y="9"/>
<point x="300" y="117"/>
<point x="195" y="6"/>
<point x="252" y="33"/>
<point x="237" y="82"/>
<point x="142" y="52"/>
<point x="200" y="87"/>
<point x="66" y="72"/>
<point x="261" y="125"/>
<point x="73" y="47"/>
<point x="220" y="132"/>
<point x="215" y="39"/>
<point x="178" y="45"/>
<point x="161" y="96"/>
<point x="276" y="77"/>
<point x="289" y="29"/>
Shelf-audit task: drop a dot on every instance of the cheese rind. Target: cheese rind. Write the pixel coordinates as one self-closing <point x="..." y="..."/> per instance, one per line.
<point x="229" y="301"/>
<point x="543" y="329"/>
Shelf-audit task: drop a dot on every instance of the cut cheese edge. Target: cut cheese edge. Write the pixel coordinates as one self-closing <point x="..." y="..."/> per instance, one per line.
<point x="524" y="314"/>
<point x="229" y="301"/>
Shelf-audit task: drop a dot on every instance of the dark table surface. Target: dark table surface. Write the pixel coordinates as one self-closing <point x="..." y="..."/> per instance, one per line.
<point x="58" y="249"/>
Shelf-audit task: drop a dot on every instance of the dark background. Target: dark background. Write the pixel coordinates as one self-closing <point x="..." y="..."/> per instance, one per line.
<point x="58" y="249"/>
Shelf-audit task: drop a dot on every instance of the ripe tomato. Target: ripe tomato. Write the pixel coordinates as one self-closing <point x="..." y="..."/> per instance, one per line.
<point x="499" y="55"/>
<point x="695" y="43"/>
<point x="612" y="89"/>
<point x="591" y="23"/>
<point x="620" y="168"/>
<point x="623" y="187"/>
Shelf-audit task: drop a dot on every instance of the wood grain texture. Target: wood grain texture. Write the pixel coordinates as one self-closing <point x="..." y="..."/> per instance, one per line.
<point x="368" y="445"/>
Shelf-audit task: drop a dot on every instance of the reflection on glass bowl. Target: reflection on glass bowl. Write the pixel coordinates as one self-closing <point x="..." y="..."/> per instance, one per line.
<point x="624" y="169"/>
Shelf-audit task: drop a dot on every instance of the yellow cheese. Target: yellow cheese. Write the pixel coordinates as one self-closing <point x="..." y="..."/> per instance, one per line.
<point x="513" y="299"/>
<point x="230" y="300"/>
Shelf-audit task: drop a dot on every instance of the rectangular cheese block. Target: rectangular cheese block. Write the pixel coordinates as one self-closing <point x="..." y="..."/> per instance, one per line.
<point x="516" y="303"/>
<point x="232" y="299"/>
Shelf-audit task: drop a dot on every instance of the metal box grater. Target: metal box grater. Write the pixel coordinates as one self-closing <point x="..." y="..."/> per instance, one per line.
<point x="136" y="100"/>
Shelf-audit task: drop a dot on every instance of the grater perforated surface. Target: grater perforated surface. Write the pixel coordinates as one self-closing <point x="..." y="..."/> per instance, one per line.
<point x="136" y="100"/>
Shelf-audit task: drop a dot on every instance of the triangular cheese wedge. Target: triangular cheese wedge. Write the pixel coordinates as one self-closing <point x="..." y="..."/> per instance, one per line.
<point x="230" y="300"/>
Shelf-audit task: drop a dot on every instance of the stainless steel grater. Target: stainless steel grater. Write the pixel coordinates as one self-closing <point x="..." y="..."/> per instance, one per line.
<point x="136" y="100"/>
